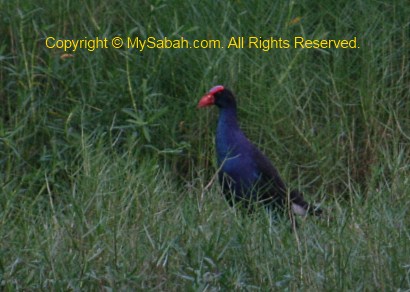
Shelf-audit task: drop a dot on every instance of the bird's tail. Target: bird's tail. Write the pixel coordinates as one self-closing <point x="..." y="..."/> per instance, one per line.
<point x="301" y="207"/>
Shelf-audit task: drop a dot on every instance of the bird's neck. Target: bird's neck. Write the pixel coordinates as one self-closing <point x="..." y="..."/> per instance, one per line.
<point x="227" y="133"/>
<point x="227" y="120"/>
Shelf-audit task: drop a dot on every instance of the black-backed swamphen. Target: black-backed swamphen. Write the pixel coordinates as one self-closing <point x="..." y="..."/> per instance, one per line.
<point x="245" y="173"/>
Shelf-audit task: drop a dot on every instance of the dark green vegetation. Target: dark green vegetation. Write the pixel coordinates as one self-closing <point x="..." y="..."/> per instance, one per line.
<point x="105" y="160"/>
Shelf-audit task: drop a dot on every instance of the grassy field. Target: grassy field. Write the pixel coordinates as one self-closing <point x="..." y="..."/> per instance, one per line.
<point x="106" y="163"/>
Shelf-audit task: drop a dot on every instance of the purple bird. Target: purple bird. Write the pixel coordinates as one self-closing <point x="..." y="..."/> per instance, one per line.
<point x="245" y="173"/>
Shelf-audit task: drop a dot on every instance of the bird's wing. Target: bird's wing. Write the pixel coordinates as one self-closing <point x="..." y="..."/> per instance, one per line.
<point x="274" y="189"/>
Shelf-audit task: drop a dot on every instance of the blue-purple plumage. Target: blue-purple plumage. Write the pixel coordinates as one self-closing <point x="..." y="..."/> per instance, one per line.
<point x="245" y="172"/>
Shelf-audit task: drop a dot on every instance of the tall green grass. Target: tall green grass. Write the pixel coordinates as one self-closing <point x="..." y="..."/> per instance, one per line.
<point x="106" y="163"/>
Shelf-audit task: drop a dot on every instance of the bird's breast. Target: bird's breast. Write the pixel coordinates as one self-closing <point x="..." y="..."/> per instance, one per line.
<point x="238" y="165"/>
<point x="234" y="153"/>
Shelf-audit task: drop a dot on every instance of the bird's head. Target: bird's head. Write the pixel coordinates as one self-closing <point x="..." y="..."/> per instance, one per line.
<point x="219" y="96"/>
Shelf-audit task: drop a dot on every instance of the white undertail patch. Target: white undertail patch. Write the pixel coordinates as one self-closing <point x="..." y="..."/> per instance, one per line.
<point x="299" y="210"/>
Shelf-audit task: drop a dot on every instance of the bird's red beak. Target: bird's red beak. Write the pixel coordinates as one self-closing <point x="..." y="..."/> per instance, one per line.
<point x="206" y="100"/>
